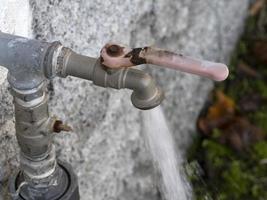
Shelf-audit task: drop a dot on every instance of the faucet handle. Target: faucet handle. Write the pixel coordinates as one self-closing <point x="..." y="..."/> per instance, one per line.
<point x="116" y="56"/>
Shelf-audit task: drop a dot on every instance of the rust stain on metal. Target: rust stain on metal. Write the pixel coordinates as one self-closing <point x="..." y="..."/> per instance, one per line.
<point x="101" y="59"/>
<point x="162" y="53"/>
<point x="102" y="62"/>
<point x="135" y="57"/>
<point x="59" y="126"/>
<point x="114" y="50"/>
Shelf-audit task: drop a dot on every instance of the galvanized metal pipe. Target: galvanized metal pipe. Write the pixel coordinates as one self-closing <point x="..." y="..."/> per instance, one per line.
<point x="25" y="60"/>
<point x="34" y="129"/>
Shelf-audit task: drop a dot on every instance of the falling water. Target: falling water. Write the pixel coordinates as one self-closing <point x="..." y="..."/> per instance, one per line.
<point x="166" y="158"/>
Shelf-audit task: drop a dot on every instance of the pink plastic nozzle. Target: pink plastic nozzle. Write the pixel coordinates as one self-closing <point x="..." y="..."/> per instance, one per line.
<point x="116" y="56"/>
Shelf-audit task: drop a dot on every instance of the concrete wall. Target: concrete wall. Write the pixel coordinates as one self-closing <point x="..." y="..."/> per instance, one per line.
<point x="107" y="149"/>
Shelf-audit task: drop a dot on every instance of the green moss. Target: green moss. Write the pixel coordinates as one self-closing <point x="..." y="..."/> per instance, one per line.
<point x="216" y="133"/>
<point x="251" y="26"/>
<point x="237" y="183"/>
<point x="216" y="171"/>
<point x="242" y="48"/>
<point x="261" y="87"/>
<point x="233" y="177"/>
<point x="260" y="150"/>
<point x="215" y="149"/>
<point x="260" y="119"/>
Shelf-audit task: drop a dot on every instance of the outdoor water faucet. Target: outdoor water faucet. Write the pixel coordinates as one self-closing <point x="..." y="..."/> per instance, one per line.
<point x="31" y="63"/>
<point x="113" y="70"/>
<point x="146" y="94"/>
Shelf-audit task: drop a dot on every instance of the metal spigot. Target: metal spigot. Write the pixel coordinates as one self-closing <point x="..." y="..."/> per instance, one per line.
<point x="114" y="69"/>
<point x="31" y="63"/>
<point x="146" y="94"/>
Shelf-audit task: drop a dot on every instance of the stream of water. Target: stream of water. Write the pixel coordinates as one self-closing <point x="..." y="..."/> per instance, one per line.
<point x="163" y="150"/>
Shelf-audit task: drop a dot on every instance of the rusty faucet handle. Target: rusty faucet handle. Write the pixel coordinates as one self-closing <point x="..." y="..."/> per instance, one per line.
<point x="116" y="56"/>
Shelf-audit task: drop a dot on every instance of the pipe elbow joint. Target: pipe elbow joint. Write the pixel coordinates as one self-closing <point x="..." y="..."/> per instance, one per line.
<point x="146" y="94"/>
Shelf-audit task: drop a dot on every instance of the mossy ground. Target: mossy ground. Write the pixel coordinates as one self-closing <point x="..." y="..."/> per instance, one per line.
<point x="217" y="170"/>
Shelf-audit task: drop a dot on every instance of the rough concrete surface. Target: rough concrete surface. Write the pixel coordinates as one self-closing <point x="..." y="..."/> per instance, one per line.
<point x="107" y="149"/>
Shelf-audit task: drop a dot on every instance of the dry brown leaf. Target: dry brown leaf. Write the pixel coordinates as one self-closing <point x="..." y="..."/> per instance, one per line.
<point x="240" y="133"/>
<point x="218" y="114"/>
<point x="224" y="106"/>
<point x="256" y="7"/>
<point x="236" y="131"/>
